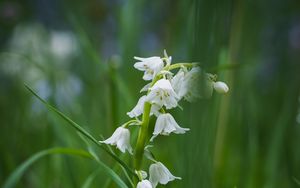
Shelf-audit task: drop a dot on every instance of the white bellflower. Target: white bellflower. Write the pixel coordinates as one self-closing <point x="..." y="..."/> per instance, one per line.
<point x="162" y="93"/>
<point x="151" y="66"/>
<point x="166" y="124"/>
<point x="160" y="174"/>
<point x="121" y="139"/>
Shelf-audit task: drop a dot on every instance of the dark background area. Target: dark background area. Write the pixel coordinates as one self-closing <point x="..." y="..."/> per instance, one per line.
<point x="78" y="55"/>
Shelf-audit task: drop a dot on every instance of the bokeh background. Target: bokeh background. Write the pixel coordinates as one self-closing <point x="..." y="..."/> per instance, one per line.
<point x="78" y="55"/>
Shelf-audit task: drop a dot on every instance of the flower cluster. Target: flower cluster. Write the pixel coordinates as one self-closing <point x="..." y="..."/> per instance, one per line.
<point x="164" y="92"/>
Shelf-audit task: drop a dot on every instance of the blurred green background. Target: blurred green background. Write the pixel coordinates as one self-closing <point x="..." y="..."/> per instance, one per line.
<point x="78" y="55"/>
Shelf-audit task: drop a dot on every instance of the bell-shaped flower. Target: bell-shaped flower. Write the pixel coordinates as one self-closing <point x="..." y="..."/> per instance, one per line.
<point x="162" y="93"/>
<point x="221" y="87"/>
<point x="144" y="184"/>
<point x="186" y="83"/>
<point x="178" y="83"/>
<point x="151" y="66"/>
<point x="191" y="86"/>
<point x="139" y="108"/>
<point x="160" y="174"/>
<point x="166" y="124"/>
<point x="121" y="139"/>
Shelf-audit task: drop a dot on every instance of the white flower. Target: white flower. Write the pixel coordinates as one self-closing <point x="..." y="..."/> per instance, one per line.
<point x="151" y="66"/>
<point x="120" y="138"/>
<point x="160" y="174"/>
<point x="139" y="108"/>
<point x="191" y="84"/>
<point x="162" y="93"/>
<point x="146" y="87"/>
<point x="187" y="83"/>
<point x="178" y="83"/>
<point x="195" y="84"/>
<point x="166" y="124"/>
<point x="208" y="85"/>
<point x="144" y="184"/>
<point x="221" y="87"/>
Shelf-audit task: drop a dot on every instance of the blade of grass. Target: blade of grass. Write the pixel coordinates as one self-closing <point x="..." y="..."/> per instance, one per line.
<point x="17" y="174"/>
<point x="108" y="170"/>
<point x="82" y="131"/>
<point x="108" y="182"/>
<point x="88" y="182"/>
<point x="93" y="153"/>
<point x="112" y="174"/>
<point x="296" y="181"/>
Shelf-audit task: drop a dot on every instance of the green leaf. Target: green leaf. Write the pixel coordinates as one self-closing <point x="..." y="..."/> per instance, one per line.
<point x="17" y="174"/>
<point x="88" y="182"/>
<point x="82" y="131"/>
<point x="108" y="170"/>
<point x="296" y="181"/>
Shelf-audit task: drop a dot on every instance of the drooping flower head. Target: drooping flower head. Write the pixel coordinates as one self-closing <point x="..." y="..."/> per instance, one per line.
<point x="121" y="139"/>
<point x="186" y="83"/>
<point x="195" y="83"/>
<point x="144" y="184"/>
<point x="151" y="66"/>
<point x="160" y="174"/>
<point x="166" y="124"/>
<point x="162" y="94"/>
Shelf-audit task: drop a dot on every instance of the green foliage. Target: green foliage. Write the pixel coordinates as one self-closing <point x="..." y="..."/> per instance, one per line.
<point x="18" y="173"/>
<point x="248" y="138"/>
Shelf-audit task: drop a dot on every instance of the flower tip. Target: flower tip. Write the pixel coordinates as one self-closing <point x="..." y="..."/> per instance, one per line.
<point x="177" y="178"/>
<point x="130" y="114"/>
<point x="165" y="53"/>
<point x="130" y="151"/>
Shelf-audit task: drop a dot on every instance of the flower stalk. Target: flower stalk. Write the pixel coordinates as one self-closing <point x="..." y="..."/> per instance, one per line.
<point x="143" y="134"/>
<point x="164" y="92"/>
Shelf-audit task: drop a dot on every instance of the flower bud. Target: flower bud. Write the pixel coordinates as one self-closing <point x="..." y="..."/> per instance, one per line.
<point x="221" y="87"/>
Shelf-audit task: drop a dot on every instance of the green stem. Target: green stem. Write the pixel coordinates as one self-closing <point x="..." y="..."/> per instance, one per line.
<point x="178" y="65"/>
<point x="143" y="132"/>
<point x="125" y="125"/>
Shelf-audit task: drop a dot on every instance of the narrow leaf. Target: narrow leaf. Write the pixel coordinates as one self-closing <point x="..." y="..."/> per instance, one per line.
<point x="82" y="131"/>
<point x="88" y="182"/>
<point x="17" y="174"/>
